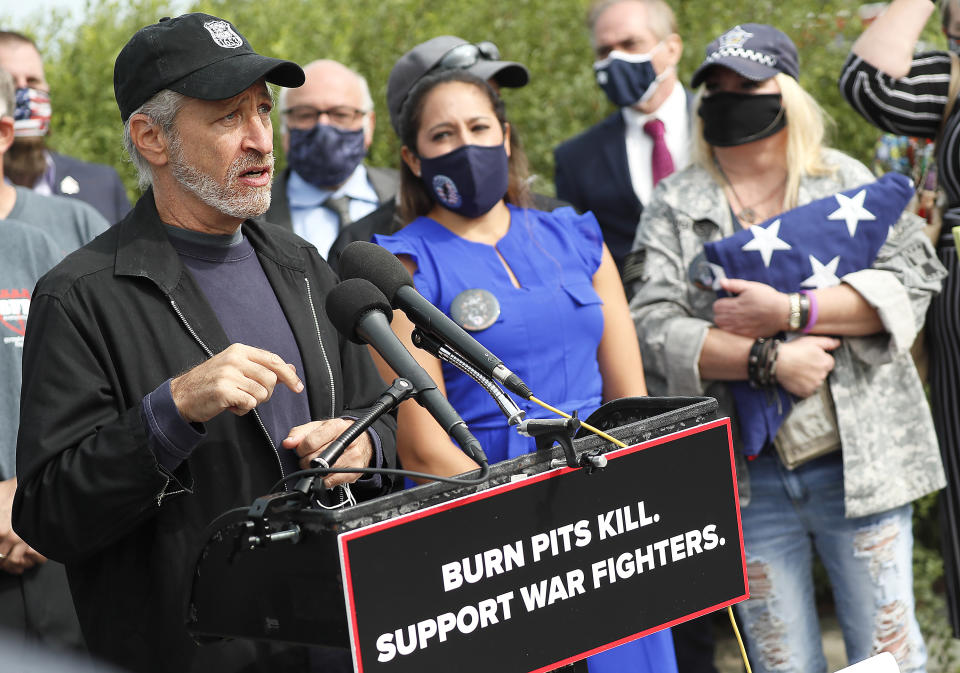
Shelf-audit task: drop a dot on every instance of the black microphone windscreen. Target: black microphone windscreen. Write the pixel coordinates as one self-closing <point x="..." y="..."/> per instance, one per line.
<point x="351" y="300"/>
<point x="361" y="259"/>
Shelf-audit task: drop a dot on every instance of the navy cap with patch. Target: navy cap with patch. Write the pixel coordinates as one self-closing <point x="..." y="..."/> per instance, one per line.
<point x="753" y="50"/>
<point x="197" y="55"/>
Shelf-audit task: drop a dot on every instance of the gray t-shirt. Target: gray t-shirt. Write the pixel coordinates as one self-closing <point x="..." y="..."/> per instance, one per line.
<point x="26" y="253"/>
<point x="69" y="222"/>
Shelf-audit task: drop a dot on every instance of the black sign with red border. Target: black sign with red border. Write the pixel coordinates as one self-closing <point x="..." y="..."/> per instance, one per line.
<point x="552" y="568"/>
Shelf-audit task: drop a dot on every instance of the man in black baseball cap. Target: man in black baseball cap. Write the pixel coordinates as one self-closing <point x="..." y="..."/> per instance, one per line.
<point x="196" y="55"/>
<point x="140" y="447"/>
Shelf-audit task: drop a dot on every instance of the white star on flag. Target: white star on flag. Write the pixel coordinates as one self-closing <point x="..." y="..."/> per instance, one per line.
<point x="824" y="275"/>
<point x="852" y="211"/>
<point x="718" y="275"/>
<point x="765" y="241"/>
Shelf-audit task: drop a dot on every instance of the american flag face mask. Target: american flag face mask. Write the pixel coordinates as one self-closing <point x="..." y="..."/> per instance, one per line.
<point x="31" y="116"/>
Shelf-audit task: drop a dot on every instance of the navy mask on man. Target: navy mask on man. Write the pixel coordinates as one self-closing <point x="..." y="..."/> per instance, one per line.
<point x="628" y="79"/>
<point x="325" y="155"/>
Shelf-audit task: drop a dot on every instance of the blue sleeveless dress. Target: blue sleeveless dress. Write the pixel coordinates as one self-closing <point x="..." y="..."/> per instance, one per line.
<point x="547" y="332"/>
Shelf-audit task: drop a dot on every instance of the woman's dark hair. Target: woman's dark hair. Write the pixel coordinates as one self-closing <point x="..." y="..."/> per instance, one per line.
<point x="414" y="199"/>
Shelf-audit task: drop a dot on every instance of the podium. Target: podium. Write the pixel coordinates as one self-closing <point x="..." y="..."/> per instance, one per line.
<point x="422" y="577"/>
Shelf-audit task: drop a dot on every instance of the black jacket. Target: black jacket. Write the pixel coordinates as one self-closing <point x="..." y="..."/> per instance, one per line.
<point x="108" y="325"/>
<point x="591" y="172"/>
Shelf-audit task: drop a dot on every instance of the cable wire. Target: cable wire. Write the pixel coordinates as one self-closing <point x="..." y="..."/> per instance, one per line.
<point x="736" y="632"/>
<point x="590" y="428"/>
<point x="315" y="471"/>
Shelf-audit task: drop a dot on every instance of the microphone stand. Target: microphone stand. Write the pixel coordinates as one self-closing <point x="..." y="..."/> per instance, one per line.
<point x="546" y="431"/>
<point x="435" y="347"/>
<point x="398" y="391"/>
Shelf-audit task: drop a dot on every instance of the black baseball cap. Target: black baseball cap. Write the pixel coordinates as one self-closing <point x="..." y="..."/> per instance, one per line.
<point x="753" y="50"/>
<point x="481" y="59"/>
<point x="197" y="55"/>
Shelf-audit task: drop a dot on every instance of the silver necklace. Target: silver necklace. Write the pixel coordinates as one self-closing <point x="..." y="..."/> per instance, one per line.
<point x="747" y="214"/>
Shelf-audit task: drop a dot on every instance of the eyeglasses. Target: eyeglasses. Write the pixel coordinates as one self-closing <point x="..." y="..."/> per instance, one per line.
<point x="307" y="116"/>
<point x="466" y="55"/>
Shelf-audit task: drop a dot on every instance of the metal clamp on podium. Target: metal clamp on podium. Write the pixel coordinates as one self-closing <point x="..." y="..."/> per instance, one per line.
<point x="550" y="431"/>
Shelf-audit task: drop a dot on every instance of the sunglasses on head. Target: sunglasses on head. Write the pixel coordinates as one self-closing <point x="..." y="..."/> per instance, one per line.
<point x="466" y="55"/>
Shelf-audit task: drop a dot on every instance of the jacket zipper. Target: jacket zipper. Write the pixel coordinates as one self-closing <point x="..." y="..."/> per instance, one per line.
<point x="343" y="490"/>
<point x="209" y="353"/>
<point x="323" y="351"/>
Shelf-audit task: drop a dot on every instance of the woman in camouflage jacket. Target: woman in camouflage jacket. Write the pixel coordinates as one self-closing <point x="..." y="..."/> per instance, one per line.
<point x="759" y="152"/>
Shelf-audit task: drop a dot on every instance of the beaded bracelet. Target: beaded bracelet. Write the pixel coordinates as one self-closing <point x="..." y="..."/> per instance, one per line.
<point x="762" y="362"/>
<point x="754" y="363"/>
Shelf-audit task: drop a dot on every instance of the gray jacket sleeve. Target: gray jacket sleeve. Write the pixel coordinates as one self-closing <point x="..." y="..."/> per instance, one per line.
<point x="905" y="275"/>
<point x="662" y="309"/>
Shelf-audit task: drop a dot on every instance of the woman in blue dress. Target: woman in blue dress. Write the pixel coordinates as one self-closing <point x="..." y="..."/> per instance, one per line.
<point x="538" y="289"/>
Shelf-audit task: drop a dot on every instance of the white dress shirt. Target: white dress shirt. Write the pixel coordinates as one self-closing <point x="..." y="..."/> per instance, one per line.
<point x="675" y="116"/>
<point x="321" y="225"/>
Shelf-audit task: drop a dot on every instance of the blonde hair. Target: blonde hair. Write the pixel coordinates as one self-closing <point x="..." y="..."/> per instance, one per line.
<point x="806" y="131"/>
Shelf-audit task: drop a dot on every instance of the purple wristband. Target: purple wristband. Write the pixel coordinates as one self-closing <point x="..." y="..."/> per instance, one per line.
<point x="812" y="320"/>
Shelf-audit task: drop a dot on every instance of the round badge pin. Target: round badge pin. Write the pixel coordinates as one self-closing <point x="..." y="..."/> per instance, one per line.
<point x="475" y="309"/>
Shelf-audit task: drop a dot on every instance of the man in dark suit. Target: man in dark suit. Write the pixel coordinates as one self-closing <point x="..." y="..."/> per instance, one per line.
<point x="612" y="167"/>
<point x="327" y="126"/>
<point x="29" y="163"/>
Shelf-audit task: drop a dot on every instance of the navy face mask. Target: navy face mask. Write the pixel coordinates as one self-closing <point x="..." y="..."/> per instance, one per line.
<point x="627" y="79"/>
<point x="731" y="118"/>
<point x="470" y="180"/>
<point x="325" y="155"/>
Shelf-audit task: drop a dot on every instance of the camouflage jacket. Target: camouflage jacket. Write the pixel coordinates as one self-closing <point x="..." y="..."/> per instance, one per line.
<point x="890" y="452"/>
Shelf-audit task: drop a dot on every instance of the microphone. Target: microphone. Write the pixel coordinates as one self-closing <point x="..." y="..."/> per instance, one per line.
<point x="379" y="266"/>
<point x="391" y="397"/>
<point x="361" y="312"/>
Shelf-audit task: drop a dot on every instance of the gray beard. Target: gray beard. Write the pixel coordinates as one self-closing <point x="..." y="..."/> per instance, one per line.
<point x="229" y="198"/>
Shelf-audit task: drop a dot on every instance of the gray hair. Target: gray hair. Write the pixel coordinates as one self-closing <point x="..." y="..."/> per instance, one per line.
<point x="8" y="97"/>
<point x="367" y="105"/>
<point x="162" y="109"/>
<point x="660" y="17"/>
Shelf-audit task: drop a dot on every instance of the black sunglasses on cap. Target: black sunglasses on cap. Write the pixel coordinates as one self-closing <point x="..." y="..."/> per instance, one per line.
<point x="466" y="55"/>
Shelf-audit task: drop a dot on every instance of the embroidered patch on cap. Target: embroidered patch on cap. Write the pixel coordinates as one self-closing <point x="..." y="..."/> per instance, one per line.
<point x="735" y="37"/>
<point x="732" y="43"/>
<point x="223" y="34"/>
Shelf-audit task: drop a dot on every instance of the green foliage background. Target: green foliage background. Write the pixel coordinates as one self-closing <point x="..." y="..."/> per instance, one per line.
<point x="548" y="36"/>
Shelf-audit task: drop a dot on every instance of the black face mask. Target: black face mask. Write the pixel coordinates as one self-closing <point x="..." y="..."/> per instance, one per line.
<point x="731" y="118"/>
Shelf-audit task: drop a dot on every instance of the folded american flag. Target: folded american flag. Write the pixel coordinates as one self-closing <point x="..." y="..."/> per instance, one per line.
<point x="808" y="247"/>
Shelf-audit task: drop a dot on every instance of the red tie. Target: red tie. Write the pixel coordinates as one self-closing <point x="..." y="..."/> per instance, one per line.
<point x="661" y="161"/>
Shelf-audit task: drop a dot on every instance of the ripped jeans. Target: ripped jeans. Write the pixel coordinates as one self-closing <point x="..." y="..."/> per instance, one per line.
<point x="868" y="559"/>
